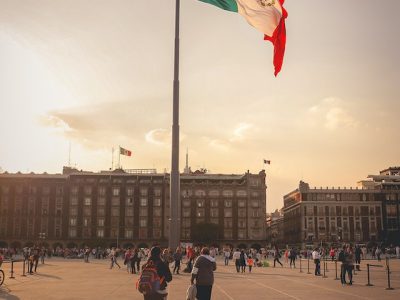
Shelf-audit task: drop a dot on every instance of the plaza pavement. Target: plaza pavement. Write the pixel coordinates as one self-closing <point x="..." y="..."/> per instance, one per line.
<point x="73" y="279"/>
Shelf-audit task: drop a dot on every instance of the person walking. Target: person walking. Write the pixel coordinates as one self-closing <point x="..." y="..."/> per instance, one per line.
<point x="177" y="259"/>
<point x="349" y="264"/>
<point x="203" y="274"/>
<point x="113" y="257"/>
<point x="236" y="258"/>
<point x="317" y="261"/>
<point x="277" y="255"/>
<point x="242" y="261"/>
<point x="163" y="273"/>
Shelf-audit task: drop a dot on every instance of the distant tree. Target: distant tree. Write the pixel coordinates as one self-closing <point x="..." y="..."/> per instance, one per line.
<point x="205" y="232"/>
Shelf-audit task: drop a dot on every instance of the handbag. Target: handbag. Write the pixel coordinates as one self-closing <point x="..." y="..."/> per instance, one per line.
<point x="191" y="292"/>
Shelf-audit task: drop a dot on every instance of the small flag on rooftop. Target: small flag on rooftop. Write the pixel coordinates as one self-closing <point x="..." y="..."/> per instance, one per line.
<point x="124" y="151"/>
<point x="268" y="16"/>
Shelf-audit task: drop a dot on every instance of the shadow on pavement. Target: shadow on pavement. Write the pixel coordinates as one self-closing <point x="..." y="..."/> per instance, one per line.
<point x="48" y="276"/>
<point x="5" y="294"/>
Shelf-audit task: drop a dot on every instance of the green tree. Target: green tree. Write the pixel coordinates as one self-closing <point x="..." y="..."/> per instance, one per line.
<point x="205" y="233"/>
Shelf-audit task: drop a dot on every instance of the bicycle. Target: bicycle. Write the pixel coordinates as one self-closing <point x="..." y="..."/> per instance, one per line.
<point x="1" y="275"/>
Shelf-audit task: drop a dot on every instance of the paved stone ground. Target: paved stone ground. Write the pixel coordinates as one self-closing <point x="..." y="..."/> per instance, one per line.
<point x="74" y="279"/>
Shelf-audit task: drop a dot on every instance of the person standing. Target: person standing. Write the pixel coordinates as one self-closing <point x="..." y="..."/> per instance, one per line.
<point x="343" y="268"/>
<point x="332" y="253"/>
<point x="36" y="255"/>
<point x="398" y="251"/>
<point x="292" y="257"/>
<point x="250" y="263"/>
<point x="236" y="258"/>
<point x="378" y="253"/>
<point x="203" y="274"/>
<point x="357" y="255"/>
<point x="317" y="261"/>
<point x="133" y="260"/>
<point x="277" y="255"/>
<point x="227" y="254"/>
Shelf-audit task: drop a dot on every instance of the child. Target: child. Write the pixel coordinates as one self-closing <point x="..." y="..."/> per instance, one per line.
<point x="250" y="263"/>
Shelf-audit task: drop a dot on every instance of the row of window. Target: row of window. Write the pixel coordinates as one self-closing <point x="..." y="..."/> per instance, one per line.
<point x="127" y="234"/>
<point x="115" y="201"/>
<point x="216" y="193"/>
<point x="214" y="212"/>
<point x="342" y="210"/>
<point x="215" y="203"/>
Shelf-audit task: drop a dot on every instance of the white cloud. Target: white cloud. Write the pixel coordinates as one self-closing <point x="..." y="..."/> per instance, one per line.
<point x="159" y="136"/>
<point x="241" y="131"/>
<point x="333" y="113"/>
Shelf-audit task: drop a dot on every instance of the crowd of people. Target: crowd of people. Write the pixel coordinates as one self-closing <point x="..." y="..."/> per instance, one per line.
<point x="201" y="262"/>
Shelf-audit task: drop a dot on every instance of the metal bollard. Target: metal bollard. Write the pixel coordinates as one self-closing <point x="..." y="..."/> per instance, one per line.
<point x="23" y="268"/>
<point x="326" y="261"/>
<point x="308" y="266"/>
<point x="324" y="268"/>
<point x="336" y="278"/>
<point x="301" y="271"/>
<point x="388" y="274"/>
<point x="12" y="270"/>
<point x="369" y="283"/>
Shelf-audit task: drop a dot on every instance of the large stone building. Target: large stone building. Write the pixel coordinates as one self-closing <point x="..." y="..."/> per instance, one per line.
<point x="369" y="212"/>
<point x="274" y="228"/>
<point x="131" y="206"/>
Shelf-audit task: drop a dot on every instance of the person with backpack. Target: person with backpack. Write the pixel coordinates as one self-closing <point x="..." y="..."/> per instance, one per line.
<point x="155" y="275"/>
<point x="203" y="273"/>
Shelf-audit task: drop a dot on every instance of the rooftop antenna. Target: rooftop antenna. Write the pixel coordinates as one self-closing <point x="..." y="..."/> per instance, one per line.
<point x="112" y="158"/>
<point x="69" y="155"/>
<point x="186" y="170"/>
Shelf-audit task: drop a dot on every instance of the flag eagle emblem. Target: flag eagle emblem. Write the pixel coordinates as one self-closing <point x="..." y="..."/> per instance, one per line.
<point x="265" y="3"/>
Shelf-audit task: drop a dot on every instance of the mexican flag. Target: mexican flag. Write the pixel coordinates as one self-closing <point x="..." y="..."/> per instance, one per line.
<point x="268" y="16"/>
<point x="123" y="151"/>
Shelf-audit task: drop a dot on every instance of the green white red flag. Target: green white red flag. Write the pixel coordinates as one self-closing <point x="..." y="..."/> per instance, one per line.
<point x="126" y="152"/>
<point x="268" y="16"/>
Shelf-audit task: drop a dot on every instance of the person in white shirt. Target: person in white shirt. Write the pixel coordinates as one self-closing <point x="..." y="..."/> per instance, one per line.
<point x="317" y="260"/>
<point x="227" y="254"/>
<point x="236" y="258"/>
<point x="398" y="252"/>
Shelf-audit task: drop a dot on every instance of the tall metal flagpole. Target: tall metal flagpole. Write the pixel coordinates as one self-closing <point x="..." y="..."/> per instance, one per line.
<point x="175" y="228"/>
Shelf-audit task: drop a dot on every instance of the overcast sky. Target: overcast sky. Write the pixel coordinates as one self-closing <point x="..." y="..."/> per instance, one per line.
<point x="98" y="74"/>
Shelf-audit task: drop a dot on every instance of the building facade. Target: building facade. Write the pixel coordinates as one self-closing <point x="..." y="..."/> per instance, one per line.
<point x="127" y="207"/>
<point x="367" y="213"/>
